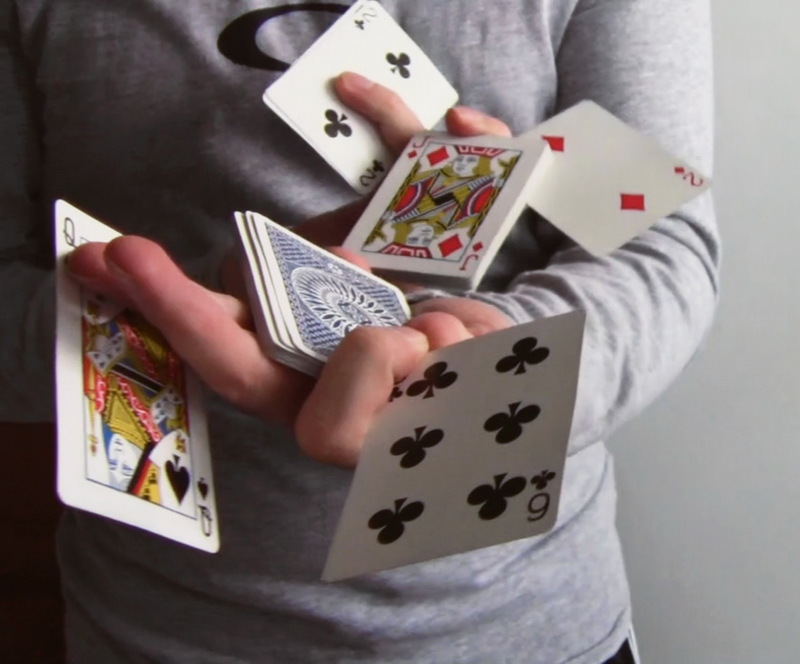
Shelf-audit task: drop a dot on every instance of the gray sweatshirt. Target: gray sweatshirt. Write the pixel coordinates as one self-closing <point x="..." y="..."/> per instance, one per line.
<point x="139" y="113"/>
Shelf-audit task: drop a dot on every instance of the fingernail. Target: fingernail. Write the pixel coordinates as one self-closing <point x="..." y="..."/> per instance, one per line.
<point x="479" y="329"/>
<point x="467" y="113"/>
<point x="118" y="272"/>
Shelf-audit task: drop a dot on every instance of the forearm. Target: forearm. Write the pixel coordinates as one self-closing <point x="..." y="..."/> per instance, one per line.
<point x="649" y="303"/>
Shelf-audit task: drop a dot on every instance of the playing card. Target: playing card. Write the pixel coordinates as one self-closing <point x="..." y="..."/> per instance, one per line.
<point x="267" y="315"/>
<point x="132" y="439"/>
<point x="366" y="40"/>
<point x="469" y="452"/>
<point x="607" y="182"/>
<point x="445" y="208"/>
<point x="312" y="298"/>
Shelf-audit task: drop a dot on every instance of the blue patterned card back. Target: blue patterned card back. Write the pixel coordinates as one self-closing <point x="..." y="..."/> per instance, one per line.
<point x="329" y="297"/>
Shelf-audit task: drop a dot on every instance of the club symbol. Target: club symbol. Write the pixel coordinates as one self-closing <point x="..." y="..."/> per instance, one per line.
<point x="396" y="393"/>
<point x="509" y="425"/>
<point x="400" y="63"/>
<point x="524" y="352"/>
<point x="337" y="124"/>
<point x="541" y="480"/>
<point x="360" y="23"/>
<point x="437" y="377"/>
<point x="377" y="166"/>
<point x="413" y="449"/>
<point x="391" y="523"/>
<point x="493" y="499"/>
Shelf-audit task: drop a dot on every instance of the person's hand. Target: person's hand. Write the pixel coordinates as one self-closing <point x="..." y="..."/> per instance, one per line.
<point x="397" y="125"/>
<point x="213" y="332"/>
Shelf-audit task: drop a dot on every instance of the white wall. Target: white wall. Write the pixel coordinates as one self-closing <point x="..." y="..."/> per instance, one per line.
<point x="710" y="477"/>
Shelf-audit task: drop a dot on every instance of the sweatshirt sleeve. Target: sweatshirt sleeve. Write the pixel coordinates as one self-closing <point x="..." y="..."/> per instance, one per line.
<point x="650" y="303"/>
<point x="26" y="276"/>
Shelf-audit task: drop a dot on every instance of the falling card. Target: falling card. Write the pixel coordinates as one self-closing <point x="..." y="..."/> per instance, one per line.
<point x="607" y="182"/>
<point x="469" y="451"/>
<point x="132" y="439"/>
<point x="366" y="40"/>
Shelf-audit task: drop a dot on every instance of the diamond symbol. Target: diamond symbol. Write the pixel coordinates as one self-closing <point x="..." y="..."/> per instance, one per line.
<point x="477" y="247"/>
<point x="438" y="156"/>
<point x="450" y="245"/>
<point x="632" y="202"/>
<point x="412" y="154"/>
<point x="680" y="170"/>
<point x="556" y="143"/>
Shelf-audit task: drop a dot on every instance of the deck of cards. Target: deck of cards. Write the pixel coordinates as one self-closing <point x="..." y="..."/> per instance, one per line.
<point x="305" y="299"/>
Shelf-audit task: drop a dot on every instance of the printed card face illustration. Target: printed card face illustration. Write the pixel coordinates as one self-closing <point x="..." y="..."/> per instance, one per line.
<point x="368" y="41"/>
<point x="132" y="440"/>
<point x="607" y="182"/>
<point x="469" y="452"/>
<point x="445" y="208"/>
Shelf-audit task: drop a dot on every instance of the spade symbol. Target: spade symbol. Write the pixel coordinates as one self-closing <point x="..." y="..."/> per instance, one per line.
<point x="436" y="377"/>
<point x="524" y="352"/>
<point x="413" y="449"/>
<point x="391" y="523"/>
<point x="493" y="499"/>
<point x="178" y="478"/>
<point x="202" y="486"/>
<point x="509" y="425"/>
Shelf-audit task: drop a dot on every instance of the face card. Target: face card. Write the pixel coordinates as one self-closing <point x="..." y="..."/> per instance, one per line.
<point x="469" y="452"/>
<point x="446" y="206"/>
<point x="607" y="182"/>
<point x="132" y="438"/>
<point x="366" y="40"/>
<point x="321" y="297"/>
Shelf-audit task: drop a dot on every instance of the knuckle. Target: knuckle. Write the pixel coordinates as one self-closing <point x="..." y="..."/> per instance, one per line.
<point x="242" y="389"/>
<point x="366" y="342"/>
<point x="324" y="441"/>
<point x="389" y="104"/>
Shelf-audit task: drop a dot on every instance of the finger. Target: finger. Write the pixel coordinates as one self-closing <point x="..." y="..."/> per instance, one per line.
<point x="477" y="317"/>
<point x="395" y="121"/>
<point x="465" y="121"/>
<point x="351" y="257"/>
<point x="87" y="265"/>
<point x="199" y="327"/>
<point x="441" y="329"/>
<point x="331" y="228"/>
<point x="354" y="385"/>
